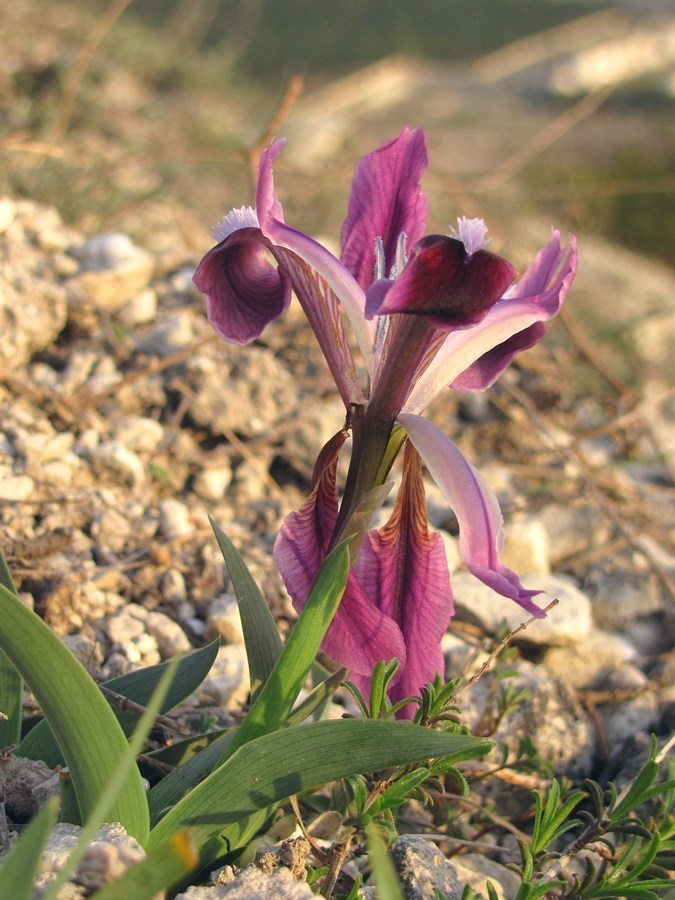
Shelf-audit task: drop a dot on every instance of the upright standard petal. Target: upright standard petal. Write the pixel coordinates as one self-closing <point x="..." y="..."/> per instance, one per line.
<point x="385" y="201"/>
<point x="244" y="291"/>
<point x="360" y="634"/>
<point x="475" y="505"/>
<point x="473" y="358"/>
<point x="402" y="568"/>
<point x="343" y="286"/>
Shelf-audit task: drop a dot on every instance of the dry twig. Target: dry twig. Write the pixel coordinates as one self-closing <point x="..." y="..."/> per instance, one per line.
<point x="495" y="653"/>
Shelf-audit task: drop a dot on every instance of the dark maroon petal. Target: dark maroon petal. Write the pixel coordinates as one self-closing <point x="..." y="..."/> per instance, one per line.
<point x="448" y="285"/>
<point x="244" y="291"/>
<point x="385" y="200"/>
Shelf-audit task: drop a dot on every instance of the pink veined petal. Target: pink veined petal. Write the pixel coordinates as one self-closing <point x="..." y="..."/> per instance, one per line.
<point x="304" y="537"/>
<point x="403" y="569"/>
<point x="473" y="358"/>
<point x="338" y="278"/>
<point x="476" y="507"/>
<point x="385" y="200"/>
<point x="360" y="634"/>
<point x="244" y="291"/>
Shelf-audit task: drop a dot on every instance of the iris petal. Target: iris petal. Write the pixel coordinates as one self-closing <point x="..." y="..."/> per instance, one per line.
<point x="385" y="201"/>
<point x="360" y="633"/>
<point x="447" y="285"/>
<point x="244" y="291"/>
<point x="403" y="569"/>
<point x="473" y="358"/>
<point x="476" y="507"/>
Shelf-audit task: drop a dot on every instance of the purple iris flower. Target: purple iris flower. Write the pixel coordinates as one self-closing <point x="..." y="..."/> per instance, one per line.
<point x="426" y="312"/>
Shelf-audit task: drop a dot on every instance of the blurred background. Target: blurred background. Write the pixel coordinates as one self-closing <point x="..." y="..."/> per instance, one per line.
<point x="143" y="114"/>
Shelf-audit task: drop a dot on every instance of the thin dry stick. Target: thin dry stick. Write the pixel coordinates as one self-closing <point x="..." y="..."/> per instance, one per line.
<point x="122" y="702"/>
<point x="340" y="853"/>
<point x="319" y="852"/>
<point x="288" y="101"/>
<point x="84" y="59"/>
<point x="510" y="776"/>
<point x="21" y="143"/>
<point x="544" y="139"/>
<point x="495" y="653"/>
<point x="479" y="805"/>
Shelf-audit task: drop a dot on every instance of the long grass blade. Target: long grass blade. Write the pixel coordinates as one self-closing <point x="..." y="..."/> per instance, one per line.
<point x="18" y="870"/>
<point x="11" y="682"/>
<point x="85" y="727"/>
<point x="100" y="812"/>
<point x="139" y="686"/>
<point x="261" y="635"/>
<point x="268" y="770"/>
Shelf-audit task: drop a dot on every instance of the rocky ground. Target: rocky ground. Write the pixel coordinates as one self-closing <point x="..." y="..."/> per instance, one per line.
<point x="125" y="424"/>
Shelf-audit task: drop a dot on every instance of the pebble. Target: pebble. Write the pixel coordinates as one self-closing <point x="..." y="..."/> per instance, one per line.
<point x="261" y="390"/>
<point x="111" y="529"/>
<point x="123" y="627"/>
<point x="174" y="519"/>
<point x="476" y="870"/>
<point x="223" y="619"/>
<point x="633" y="715"/>
<point x="139" y="433"/>
<point x="211" y="484"/>
<point x="573" y="529"/>
<point x="527" y="547"/>
<point x="621" y="597"/>
<point x="141" y="309"/>
<point x="112" y="271"/>
<point x="548" y="712"/>
<point x="227" y="683"/>
<point x="169" y="636"/>
<point x="423" y="871"/>
<point x="7" y="213"/>
<point x="86" y="650"/>
<point x="174" y="333"/>
<point x="252" y="882"/>
<point x="16" y="487"/>
<point x="174" y="589"/>
<point x="567" y="623"/>
<point x="581" y="662"/>
<point x="119" y="462"/>
<point x="110" y="853"/>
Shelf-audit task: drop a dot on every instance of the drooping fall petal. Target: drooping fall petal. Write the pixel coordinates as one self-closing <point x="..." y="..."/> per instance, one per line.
<point x="403" y="569"/>
<point x="360" y="634"/>
<point x="244" y="290"/>
<point x="473" y="358"/>
<point x="385" y="201"/>
<point x="475" y="505"/>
